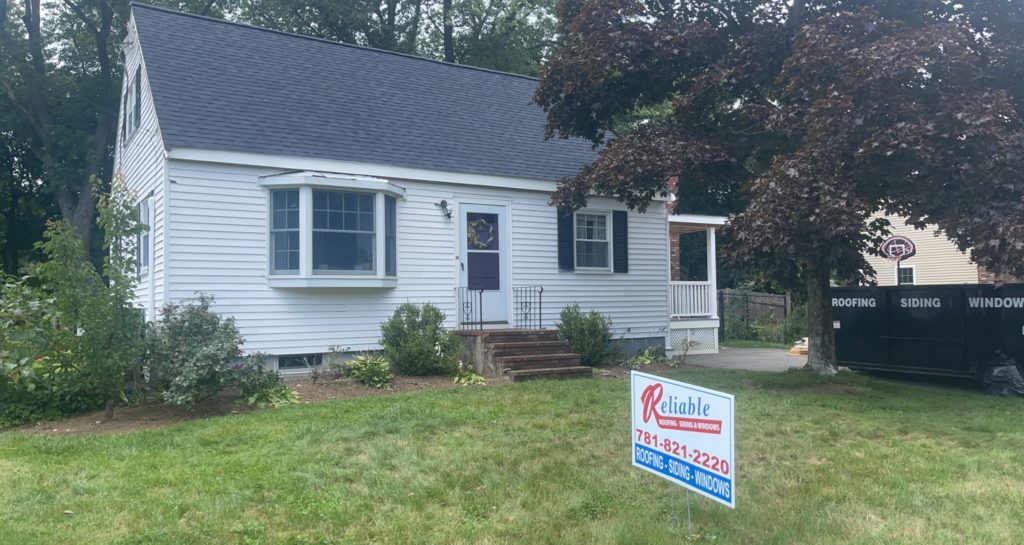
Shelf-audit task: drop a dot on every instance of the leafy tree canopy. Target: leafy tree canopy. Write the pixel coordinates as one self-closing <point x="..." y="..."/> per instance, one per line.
<point x="818" y="113"/>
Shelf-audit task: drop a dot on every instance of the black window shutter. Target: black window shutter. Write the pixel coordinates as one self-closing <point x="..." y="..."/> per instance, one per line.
<point x="620" y="241"/>
<point x="566" y="241"/>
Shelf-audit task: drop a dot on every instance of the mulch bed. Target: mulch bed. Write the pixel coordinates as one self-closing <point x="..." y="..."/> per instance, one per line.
<point x="156" y="415"/>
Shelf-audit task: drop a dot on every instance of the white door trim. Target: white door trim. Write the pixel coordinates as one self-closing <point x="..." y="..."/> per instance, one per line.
<point x="504" y="211"/>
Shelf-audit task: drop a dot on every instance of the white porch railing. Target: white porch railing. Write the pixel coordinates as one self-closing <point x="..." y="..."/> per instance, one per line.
<point x="692" y="299"/>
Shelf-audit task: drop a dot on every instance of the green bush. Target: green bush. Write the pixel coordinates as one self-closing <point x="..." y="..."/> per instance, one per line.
<point x="415" y="340"/>
<point x="785" y="331"/>
<point x="589" y="334"/>
<point x="369" y="369"/>
<point x="69" y="333"/>
<point x="190" y="352"/>
<point x="258" y="385"/>
<point x="466" y="376"/>
<point x="650" y="356"/>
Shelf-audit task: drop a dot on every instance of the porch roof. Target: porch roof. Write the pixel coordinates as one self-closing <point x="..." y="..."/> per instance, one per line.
<point x="685" y="223"/>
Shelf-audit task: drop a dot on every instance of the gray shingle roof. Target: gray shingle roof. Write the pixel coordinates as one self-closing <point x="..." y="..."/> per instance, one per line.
<point x="225" y="86"/>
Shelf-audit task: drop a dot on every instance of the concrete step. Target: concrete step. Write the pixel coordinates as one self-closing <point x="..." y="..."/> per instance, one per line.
<point x="499" y="350"/>
<point x="538" y="361"/>
<point x="520" y="335"/>
<point x="576" y="371"/>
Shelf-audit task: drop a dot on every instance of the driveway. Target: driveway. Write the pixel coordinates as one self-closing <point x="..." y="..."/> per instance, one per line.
<point x="749" y="359"/>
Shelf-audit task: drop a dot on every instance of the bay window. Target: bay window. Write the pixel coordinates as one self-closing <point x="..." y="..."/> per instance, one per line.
<point x="343" y="232"/>
<point x="332" y="232"/>
<point x="284" y="231"/>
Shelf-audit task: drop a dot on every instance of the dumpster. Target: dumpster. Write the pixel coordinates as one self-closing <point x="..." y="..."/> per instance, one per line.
<point x="974" y="331"/>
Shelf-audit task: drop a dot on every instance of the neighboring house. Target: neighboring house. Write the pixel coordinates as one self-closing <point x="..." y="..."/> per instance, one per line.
<point x="311" y="187"/>
<point x="936" y="260"/>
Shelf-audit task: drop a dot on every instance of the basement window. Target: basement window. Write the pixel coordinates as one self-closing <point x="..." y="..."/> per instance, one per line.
<point x="296" y="362"/>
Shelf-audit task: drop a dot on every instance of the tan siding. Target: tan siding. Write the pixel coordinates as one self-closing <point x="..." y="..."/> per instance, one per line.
<point x="938" y="261"/>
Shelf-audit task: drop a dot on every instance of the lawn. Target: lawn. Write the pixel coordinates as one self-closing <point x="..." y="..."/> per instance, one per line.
<point x="737" y="343"/>
<point x="850" y="459"/>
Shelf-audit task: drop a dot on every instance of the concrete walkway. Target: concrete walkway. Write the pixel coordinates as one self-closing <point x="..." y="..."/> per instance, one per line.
<point x="748" y="359"/>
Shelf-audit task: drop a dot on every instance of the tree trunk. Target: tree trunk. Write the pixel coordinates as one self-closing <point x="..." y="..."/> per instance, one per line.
<point x="796" y="14"/>
<point x="821" y="340"/>
<point x="449" y="31"/>
<point x="109" y="412"/>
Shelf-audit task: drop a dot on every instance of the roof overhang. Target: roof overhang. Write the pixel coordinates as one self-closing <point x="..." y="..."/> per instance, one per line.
<point x="301" y="166"/>
<point x="332" y="180"/>
<point x="695" y="222"/>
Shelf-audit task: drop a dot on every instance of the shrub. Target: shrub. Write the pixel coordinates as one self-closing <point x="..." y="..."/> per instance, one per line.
<point x="190" y="351"/>
<point x="29" y="389"/>
<point x="649" y="356"/>
<point x="69" y="333"/>
<point x="589" y="334"/>
<point x="465" y="375"/>
<point x="415" y="340"/>
<point x="369" y="369"/>
<point x="258" y="385"/>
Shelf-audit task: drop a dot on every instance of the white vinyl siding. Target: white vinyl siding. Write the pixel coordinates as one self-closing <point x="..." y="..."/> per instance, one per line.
<point x="937" y="261"/>
<point x="220" y="247"/>
<point x="139" y="158"/>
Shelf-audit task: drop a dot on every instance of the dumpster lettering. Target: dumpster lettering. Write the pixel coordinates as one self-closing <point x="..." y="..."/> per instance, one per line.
<point x="854" y="302"/>
<point x="920" y="302"/>
<point x="996" y="302"/>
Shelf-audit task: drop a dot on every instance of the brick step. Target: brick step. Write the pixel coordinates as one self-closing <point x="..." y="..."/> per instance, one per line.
<point x="538" y="361"/>
<point x="520" y="335"/>
<point x="499" y="350"/>
<point x="576" y="371"/>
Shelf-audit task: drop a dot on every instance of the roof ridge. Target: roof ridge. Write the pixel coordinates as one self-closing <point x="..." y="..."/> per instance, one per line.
<point x="134" y="4"/>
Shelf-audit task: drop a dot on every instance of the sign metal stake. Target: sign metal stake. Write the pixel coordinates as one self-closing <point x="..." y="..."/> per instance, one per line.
<point x="689" y="518"/>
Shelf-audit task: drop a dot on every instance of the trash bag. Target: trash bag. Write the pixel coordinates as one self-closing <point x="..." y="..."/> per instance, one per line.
<point x="1004" y="377"/>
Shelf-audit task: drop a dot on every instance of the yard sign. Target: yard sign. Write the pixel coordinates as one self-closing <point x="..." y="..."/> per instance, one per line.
<point x="684" y="433"/>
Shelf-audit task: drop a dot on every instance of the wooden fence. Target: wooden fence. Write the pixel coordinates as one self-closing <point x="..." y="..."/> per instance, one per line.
<point x="741" y="310"/>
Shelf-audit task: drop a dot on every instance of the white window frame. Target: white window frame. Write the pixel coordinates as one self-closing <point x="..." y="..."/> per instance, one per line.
<point x="913" y="271"/>
<point x="144" y="240"/>
<point x="306" y="276"/>
<point x="273" y="231"/>
<point x="378" y="209"/>
<point x="136" y="84"/>
<point x="576" y="239"/>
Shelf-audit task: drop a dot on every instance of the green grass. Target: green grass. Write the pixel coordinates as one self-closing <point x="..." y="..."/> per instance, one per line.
<point x="536" y="463"/>
<point x="736" y="343"/>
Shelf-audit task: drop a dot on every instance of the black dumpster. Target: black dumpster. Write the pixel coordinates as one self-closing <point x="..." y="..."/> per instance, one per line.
<point x="956" y="330"/>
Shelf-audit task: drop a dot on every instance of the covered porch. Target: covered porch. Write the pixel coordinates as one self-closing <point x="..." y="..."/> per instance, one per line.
<point x="693" y="283"/>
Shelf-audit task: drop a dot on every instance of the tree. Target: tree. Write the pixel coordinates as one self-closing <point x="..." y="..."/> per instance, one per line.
<point x="508" y="35"/>
<point x="820" y="113"/>
<point x="60" y="78"/>
<point x="94" y="334"/>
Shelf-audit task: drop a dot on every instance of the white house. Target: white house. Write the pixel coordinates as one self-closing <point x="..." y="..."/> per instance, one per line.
<point x="311" y="187"/>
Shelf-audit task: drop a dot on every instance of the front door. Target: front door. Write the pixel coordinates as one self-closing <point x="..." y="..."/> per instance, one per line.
<point x="484" y="262"/>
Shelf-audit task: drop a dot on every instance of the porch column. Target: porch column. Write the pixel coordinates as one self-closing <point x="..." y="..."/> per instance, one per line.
<point x="712" y="272"/>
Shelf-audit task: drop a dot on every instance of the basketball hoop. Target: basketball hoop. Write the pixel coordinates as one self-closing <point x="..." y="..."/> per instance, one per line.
<point x="897" y="248"/>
